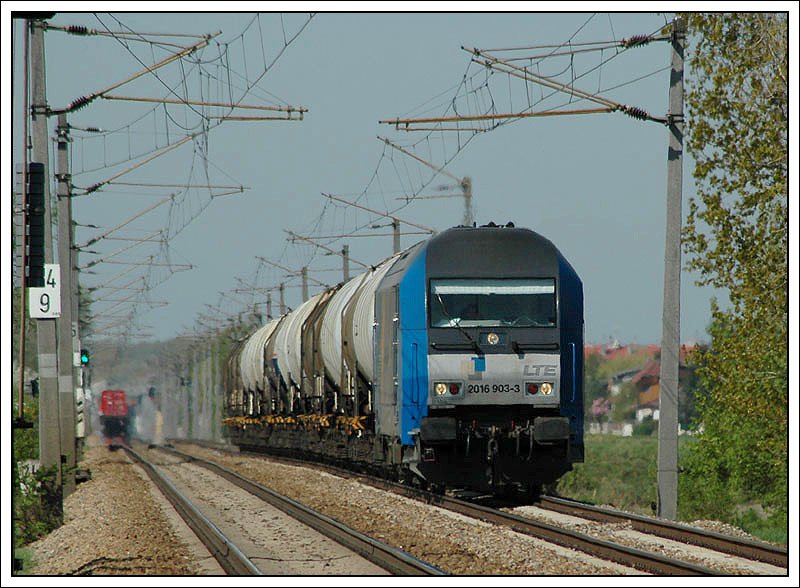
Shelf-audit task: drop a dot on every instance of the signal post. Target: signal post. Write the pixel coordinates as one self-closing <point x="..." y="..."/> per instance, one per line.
<point x="49" y="421"/>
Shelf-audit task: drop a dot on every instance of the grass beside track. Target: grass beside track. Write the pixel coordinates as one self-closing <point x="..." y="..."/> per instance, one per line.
<point x="621" y="472"/>
<point x="25" y="556"/>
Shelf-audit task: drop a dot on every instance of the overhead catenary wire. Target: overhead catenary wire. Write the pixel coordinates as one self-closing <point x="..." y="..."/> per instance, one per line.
<point x="402" y="170"/>
<point x="604" y="62"/>
<point x="477" y="87"/>
<point x="411" y="179"/>
<point x="98" y="185"/>
<point x="182" y="209"/>
<point x="288" y="109"/>
<point x="84" y="30"/>
<point x="294" y="236"/>
<point x="523" y="73"/>
<point x="83" y="101"/>
<point x="461" y="144"/>
<point x="586" y="47"/>
<point x="487" y="60"/>
<point x="125" y="222"/>
<point x="135" y="243"/>
<point x="165" y="185"/>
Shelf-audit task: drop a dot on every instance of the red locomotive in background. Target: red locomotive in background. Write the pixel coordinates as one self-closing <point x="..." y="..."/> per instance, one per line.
<point x="114" y="417"/>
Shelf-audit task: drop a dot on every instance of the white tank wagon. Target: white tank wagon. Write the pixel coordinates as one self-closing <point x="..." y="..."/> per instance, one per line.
<point x="251" y="368"/>
<point x="331" y="335"/>
<point x="363" y="318"/>
<point x="234" y="402"/>
<point x="317" y="358"/>
<point x="251" y="358"/>
<point x="288" y="346"/>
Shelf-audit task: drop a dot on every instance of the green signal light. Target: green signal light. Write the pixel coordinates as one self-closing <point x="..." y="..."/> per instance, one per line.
<point x="84" y="357"/>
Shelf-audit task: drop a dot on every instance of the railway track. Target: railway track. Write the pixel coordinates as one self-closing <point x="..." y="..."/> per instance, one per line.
<point x="737" y="546"/>
<point x="389" y="558"/>
<point x="643" y="560"/>
<point x="646" y="561"/>
<point x="229" y="556"/>
<point x="640" y="559"/>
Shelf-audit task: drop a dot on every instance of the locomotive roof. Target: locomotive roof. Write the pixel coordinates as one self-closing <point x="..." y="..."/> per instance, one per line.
<point x="492" y="249"/>
<point x="508" y="232"/>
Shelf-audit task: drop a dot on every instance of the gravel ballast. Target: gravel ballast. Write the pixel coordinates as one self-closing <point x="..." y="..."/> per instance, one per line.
<point x="115" y="524"/>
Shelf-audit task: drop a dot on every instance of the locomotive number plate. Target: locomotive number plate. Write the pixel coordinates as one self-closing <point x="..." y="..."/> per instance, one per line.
<point x="494" y="388"/>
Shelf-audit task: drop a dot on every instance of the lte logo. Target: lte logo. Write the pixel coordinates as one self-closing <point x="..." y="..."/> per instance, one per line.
<point x="540" y="370"/>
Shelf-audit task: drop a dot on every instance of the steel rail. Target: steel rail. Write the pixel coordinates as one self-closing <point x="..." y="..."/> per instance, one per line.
<point x="621" y="554"/>
<point x="230" y="557"/>
<point x="740" y="547"/>
<point x="394" y="560"/>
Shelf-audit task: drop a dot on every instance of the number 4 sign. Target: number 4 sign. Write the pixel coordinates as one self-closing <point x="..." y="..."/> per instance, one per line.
<point x="45" y="302"/>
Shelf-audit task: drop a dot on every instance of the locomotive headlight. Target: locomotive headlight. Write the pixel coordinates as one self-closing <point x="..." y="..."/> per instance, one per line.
<point x="442" y="388"/>
<point x="492" y="338"/>
<point x="546" y="388"/>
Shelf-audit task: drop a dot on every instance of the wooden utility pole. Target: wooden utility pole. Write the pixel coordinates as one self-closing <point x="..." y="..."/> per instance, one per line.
<point x="670" y="330"/>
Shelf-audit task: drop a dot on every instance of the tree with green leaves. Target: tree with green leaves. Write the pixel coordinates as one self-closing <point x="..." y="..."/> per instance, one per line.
<point x="736" y="237"/>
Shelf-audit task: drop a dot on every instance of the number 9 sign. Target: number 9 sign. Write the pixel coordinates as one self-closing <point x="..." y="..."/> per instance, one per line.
<point x="45" y="302"/>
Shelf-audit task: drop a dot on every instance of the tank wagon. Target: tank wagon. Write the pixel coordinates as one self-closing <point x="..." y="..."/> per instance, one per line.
<point x="456" y="363"/>
<point x="114" y="417"/>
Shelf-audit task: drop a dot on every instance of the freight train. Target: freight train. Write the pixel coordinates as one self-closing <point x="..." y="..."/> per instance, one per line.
<point x="455" y="363"/>
<point x="114" y="418"/>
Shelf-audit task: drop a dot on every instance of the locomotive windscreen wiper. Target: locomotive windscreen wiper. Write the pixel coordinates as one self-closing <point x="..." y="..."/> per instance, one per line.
<point x="455" y="323"/>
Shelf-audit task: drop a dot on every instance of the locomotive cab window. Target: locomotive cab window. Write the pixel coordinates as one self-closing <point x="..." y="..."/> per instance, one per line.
<point x="493" y="303"/>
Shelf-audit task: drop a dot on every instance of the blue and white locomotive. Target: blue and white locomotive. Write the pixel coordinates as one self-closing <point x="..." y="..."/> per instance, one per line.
<point x="456" y="363"/>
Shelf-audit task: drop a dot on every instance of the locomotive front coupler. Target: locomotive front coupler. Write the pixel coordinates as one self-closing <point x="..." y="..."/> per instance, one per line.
<point x="530" y="442"/>
<point x="492" y="451"/>
<point x="517" y="432"/>
<point x="492" y="446"/>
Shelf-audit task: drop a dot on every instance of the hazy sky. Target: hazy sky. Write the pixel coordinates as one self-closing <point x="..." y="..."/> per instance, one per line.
<point x="594" y="184"/>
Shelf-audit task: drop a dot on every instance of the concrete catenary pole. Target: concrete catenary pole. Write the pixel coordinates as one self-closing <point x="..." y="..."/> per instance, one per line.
<point x="346" y="263"/>
<point x="395" y="235"/>
<point x="670" y="342"/>
<point x="49" y="425"/>
<point x="64" y="323"/>
<point x="304" y="275"/>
